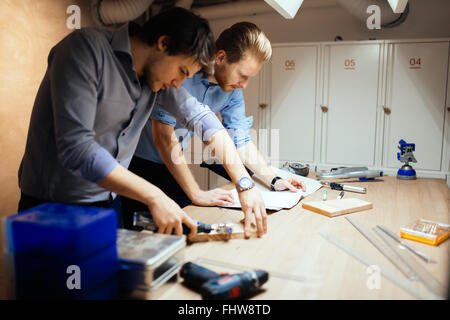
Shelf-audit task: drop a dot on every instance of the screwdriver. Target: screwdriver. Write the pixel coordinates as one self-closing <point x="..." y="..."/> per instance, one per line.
<point x="338" y="186"/>
<point x="143" y="219"/>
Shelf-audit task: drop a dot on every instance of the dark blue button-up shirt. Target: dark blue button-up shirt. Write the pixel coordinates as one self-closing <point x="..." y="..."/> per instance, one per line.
<point x="88" y="115"/>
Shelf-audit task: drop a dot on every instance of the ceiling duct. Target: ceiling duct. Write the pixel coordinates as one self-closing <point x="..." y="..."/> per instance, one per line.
<point x="389" y="19"/>
<point x="247" y="8"/>
<point x="111" y="12"/>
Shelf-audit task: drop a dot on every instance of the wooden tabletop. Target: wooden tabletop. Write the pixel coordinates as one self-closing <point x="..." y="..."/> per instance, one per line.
<point x="303" y="265"/>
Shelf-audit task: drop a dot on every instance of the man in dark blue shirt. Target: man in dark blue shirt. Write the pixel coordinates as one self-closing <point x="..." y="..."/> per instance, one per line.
<point x="96" y="96"/>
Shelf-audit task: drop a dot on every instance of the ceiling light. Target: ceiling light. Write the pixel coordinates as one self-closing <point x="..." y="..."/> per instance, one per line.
<point x="287" y="8"/>
<point x="398" y="6"/>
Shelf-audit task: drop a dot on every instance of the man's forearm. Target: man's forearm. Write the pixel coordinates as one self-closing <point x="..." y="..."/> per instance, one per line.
<point x="171" y="153"/>
<point x="128" y="184"/>
<point x="223" y="148"/>
<point x="253" y="160"/>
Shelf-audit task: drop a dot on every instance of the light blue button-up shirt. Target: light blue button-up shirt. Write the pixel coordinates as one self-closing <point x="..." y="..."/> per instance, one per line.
<point x="230" y="105"/>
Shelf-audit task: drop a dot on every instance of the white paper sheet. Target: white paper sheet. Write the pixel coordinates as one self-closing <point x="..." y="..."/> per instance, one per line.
<point x="281" y="199"/>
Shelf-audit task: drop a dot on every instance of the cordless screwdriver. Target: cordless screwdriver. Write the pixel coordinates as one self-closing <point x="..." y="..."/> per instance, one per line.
<point x="219" y="287"/>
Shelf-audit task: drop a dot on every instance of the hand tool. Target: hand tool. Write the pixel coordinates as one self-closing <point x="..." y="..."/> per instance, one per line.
<point x="401" y="259"/>
<point x="341" y="194"/>
<point x="420" y="254"/>
<point x="223" y="287"/>
<point x="273" y="274"/>
<point x="352" y="172"/>
<point x="406" y="172"/>
<point x="418" y="270"/>
<point x="410" y="286"/>
<point x="338" y="186"/>
<point x="144" y="220"/>
<point x="296" y="168"/>
<point x="384" y="249"/>
<point x="195" y="276"/>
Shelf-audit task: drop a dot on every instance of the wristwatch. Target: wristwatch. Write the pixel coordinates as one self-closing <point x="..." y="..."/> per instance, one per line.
<point x="274" y="180"/>
<point x="245" y="183"/>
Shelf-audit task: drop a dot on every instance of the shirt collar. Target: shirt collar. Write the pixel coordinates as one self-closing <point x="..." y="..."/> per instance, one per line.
<point x="121" y="40"/>
<point x="200" y="77"/>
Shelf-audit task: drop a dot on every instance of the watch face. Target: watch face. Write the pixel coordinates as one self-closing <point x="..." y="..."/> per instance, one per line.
<point x="245" y="183"/>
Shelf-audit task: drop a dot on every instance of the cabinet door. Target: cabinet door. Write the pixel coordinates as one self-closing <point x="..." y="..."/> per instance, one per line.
<point x="416" y="96"/>
<point x="293" y="100"/>
<point x="251" y="97"/>
<point x="352" y="98"/>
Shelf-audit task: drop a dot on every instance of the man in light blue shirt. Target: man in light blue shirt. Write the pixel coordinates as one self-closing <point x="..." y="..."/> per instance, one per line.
<point x="240" y="52"/>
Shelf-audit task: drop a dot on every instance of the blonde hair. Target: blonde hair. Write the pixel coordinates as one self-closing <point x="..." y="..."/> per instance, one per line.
<point x="244" y="38"/>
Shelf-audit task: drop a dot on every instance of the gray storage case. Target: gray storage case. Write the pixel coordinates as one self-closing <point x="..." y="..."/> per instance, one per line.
<point x="147" y="261"/>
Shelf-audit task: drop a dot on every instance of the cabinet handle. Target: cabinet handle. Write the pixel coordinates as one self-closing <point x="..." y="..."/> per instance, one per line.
<point x="387" y="110"/>
<point x="448" y="109"/>
<point x="324" y="109"/>
<point x="262" y="105"/>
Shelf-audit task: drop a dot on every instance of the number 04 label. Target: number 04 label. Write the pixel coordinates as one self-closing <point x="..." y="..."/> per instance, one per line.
<point x="415" y="63"/>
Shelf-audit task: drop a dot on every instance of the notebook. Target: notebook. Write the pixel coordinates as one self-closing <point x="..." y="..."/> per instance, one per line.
<point x="281" y="199"/>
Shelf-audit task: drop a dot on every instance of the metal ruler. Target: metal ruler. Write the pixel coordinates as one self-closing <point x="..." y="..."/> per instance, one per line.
<point x="405" y="284"/>
<point x="419" y="271"/>
<point x="386" y="250"/>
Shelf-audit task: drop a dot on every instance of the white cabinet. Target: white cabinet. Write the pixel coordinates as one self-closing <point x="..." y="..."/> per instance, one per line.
<point x="293" y="101"/>
<point x="373" y="94"/>
<point x="252" y="101"/>
<point x="353" y="106"/>
<point x="416" y="93"/>
<point x="350" y="100"/>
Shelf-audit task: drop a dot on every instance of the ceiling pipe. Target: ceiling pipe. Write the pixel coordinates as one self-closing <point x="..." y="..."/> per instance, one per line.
<point x="110" y="12"/>
<point x="251" y="8"/>
<point x="358" y="8"/>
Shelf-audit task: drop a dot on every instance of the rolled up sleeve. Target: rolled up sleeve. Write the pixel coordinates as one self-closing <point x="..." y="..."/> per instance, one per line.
<point x="235" y="121"/>
<point x="74" y="73"/>
<point x="162" y="116"/>
<point x="189" y="112"/>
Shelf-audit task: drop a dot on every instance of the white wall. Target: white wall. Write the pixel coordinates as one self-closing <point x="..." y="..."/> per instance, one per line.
<point x="427" y="19"/>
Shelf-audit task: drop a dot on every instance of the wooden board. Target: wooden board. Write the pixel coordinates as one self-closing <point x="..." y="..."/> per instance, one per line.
<point x="238" y="233"/>
<point x="333" y="208"/>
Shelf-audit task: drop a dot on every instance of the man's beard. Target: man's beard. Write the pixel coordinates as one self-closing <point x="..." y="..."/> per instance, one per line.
<point x="219" y="74"/>
<point x="149" y="78"/>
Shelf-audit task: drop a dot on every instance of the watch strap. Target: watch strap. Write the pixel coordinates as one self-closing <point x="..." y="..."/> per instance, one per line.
<point x="274" y="180"/>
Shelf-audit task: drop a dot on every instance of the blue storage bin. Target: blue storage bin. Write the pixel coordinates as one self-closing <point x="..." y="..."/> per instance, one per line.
<point x="45" y="240"/>
<point x="68" y="232"/>
<point x="45" y="278"/>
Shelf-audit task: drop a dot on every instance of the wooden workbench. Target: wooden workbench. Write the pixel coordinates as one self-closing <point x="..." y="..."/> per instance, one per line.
<point x="303" y="265"/>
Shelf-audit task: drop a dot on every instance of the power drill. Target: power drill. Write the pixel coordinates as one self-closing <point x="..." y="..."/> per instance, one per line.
<point x="214" y="286"/>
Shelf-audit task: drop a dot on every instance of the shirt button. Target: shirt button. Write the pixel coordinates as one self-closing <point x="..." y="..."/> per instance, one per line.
<point x="123" y="133"/>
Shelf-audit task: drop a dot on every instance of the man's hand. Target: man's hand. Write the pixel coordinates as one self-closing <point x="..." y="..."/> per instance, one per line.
<point x="168" y="216"/>
<point x="252" y="202"/>
<point x="292" y="185"/>
<point x="212" y="198"/>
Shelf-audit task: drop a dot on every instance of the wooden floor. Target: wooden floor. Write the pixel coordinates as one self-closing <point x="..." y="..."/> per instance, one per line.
<point x="302" y="265"/>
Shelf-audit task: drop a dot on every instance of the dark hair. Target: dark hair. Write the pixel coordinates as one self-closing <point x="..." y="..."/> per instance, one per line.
<point x="244" y="38"/>
<point x="187" y="34"/>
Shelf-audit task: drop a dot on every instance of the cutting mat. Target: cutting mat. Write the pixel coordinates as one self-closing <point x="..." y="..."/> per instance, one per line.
<point x="333" y="208"/>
